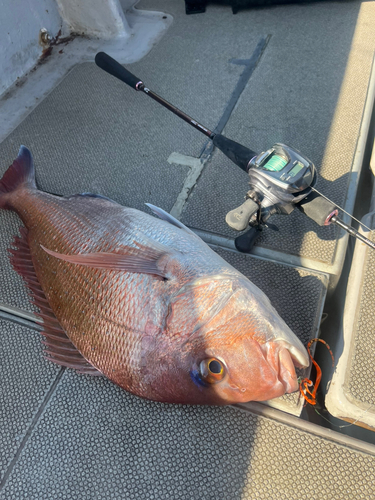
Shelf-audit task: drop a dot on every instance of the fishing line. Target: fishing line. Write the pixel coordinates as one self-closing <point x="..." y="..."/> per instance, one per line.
<point x="345" y="425"/>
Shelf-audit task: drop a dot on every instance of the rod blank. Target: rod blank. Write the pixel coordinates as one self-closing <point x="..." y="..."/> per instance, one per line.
<point x="352" y="231"/>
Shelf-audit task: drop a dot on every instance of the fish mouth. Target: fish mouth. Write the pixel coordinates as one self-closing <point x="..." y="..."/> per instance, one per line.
<point x="284" y="357"/>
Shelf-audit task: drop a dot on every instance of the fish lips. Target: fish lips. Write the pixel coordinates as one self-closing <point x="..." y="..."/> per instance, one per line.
<point x="284" y="337"/>
<point x="283" y="357"/>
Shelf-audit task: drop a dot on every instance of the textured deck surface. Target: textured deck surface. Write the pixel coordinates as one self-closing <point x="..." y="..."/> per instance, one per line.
<point x="25" y="377"/>
<point x="69" y="436"/>
<point x="93" y="440"/>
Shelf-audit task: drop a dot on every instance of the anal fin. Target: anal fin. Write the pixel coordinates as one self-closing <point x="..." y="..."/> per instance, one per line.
<point x="58" y="347"/>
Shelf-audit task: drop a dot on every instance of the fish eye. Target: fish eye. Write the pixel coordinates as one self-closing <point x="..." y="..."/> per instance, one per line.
<point x="212" y="370"/>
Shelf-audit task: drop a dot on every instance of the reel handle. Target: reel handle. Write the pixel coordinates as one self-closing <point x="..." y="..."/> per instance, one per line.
<point x="245" y="242"/>
<point x="238" y="218"/>
<point x="114" y="68"/>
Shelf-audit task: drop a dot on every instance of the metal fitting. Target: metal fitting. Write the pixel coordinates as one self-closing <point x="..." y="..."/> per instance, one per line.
<point x="44" y="37"/>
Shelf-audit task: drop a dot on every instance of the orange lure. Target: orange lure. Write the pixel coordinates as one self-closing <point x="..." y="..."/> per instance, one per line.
<point x="306" y="384"/>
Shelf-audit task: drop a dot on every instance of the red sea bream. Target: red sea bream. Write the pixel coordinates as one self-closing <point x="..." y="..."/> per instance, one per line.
<point x="144" y="301"/>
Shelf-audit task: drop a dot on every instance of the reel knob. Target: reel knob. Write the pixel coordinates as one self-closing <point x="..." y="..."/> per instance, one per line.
<point x="238" y="218"/>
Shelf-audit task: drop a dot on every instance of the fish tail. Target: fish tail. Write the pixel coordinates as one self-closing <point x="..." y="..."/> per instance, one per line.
<point x="20" y="174"/>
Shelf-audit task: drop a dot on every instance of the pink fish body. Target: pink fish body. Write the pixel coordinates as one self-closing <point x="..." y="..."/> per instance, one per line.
<point x="145" y="301"/>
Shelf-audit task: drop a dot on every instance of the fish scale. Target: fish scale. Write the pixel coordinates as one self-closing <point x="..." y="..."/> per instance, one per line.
<point x="145" y="301"/>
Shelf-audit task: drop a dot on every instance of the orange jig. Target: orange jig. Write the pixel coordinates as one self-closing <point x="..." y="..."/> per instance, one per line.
<point x="306" y="383"/>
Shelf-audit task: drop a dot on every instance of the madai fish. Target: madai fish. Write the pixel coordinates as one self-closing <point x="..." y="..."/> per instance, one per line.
<point x="144" y="301"/>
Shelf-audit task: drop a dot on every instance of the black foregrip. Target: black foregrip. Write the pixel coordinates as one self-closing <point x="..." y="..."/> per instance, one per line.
<point x="240" y="155"/>
<point x="317" y="208"/>
<point x="114" y="68"/>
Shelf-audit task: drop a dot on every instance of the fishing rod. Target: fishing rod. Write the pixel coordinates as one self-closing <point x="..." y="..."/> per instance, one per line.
<point x="280" y="178"/>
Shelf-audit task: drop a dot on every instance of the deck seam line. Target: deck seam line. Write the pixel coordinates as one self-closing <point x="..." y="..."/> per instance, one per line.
<point x="17" y="316"/>
<point x="31" y="427"/>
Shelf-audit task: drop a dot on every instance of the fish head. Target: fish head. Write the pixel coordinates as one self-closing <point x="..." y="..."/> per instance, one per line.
<point x="242" y="352"/>
<point x="245" y="370"/>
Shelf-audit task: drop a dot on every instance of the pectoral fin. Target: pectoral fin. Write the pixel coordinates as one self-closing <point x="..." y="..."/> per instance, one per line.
<point x="141" y="259"/>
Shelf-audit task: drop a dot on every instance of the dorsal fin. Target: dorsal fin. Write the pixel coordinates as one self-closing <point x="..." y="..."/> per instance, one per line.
<point x="91" y="195"/>
<point x="169" y="218"/>
<point x="59" y="349"/>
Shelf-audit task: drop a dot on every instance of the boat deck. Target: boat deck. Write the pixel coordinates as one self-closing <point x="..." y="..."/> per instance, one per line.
<point x="298" y="74"/>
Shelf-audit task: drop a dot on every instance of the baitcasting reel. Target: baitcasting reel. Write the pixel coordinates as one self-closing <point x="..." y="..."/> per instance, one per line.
<point x="280" y="178"/>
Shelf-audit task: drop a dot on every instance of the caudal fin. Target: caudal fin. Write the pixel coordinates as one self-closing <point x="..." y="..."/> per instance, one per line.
<point x="20" y="174"/>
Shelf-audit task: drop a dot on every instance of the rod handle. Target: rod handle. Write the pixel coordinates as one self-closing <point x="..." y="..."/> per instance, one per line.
<point x="114" y="68"/>
<point x="240" y="155"/>
<point x="317" y="208"/>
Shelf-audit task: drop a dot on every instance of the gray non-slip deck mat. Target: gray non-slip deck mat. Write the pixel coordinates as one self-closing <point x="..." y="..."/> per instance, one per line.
<point x="309" y="90"/>
<point x="94" y="441"/>
<point x="13" y="291"/>
<point x="25" y="377"/>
